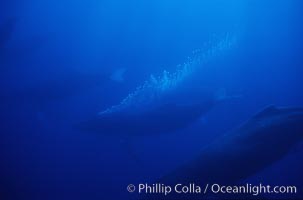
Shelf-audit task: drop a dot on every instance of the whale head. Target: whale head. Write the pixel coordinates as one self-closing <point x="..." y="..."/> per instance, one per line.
<point x="279" y="125"/>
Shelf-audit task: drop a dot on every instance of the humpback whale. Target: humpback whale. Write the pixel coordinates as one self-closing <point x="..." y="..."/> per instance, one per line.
<point x="164" y="118"/>
<point x="162" y="104"/>
<point x="264" y="139"/>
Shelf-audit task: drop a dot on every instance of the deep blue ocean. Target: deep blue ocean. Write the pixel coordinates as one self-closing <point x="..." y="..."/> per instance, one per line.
<point x="148" y="65"/>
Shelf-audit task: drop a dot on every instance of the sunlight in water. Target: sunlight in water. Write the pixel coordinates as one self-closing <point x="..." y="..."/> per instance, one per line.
<point x="152" y="88"/>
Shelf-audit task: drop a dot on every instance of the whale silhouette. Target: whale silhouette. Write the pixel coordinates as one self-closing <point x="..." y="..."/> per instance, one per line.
<point x="261" y="141"/>
<point x="164" y="118"/>
<point x="162" y="104"/>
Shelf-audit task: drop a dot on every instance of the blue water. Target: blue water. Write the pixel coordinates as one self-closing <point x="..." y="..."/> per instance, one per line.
<point x="64" y="62"/>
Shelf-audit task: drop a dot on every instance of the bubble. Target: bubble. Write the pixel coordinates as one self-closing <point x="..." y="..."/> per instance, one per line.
<point x="152" y="89"/>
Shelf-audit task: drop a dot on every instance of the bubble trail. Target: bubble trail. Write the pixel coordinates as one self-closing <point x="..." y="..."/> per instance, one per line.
<point x="151" y="90"/>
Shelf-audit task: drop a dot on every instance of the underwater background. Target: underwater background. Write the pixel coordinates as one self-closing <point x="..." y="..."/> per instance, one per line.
<point x="63" y="62"/>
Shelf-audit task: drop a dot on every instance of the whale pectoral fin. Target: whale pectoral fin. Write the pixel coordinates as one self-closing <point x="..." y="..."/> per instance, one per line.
<point x="269" y="110"/>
